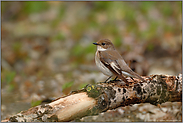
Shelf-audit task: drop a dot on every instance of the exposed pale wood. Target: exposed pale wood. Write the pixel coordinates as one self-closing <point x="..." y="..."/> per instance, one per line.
<point x="73" y="106"/>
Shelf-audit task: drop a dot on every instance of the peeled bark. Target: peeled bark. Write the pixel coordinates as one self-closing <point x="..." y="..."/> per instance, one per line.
<point x="94" y="99"/>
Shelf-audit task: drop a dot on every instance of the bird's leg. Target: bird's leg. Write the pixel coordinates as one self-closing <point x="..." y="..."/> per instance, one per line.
<point x="115" y="78"/>
<point x="107" y="79"/>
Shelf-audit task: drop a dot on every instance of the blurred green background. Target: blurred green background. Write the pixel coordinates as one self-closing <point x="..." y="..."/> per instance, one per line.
<point x="47" y="48"/>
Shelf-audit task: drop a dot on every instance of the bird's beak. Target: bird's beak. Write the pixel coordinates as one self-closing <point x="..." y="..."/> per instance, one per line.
<point x="96" y="43"/>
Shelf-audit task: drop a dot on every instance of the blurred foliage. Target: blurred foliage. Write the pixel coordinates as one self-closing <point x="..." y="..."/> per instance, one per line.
<point x="7" y="78"/>
<point x="72" y="23"/>
<point x="59" y="36"/>
<point x="150" y="47"/>
<point x="67" y="85"/>
<point x="35" y="6"/>
<point x="77" y="50"/>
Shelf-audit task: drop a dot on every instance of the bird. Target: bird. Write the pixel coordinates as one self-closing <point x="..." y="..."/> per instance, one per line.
<point x="111" y="63"/>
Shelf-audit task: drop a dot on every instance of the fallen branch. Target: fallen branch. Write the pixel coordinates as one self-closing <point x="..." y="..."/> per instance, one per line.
<point x="94" y="99"/>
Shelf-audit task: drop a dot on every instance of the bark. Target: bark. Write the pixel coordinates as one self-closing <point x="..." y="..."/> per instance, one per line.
<point x="94" y="99"/>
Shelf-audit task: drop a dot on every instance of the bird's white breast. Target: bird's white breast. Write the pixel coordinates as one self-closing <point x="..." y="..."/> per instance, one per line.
<point x="101" y="66"/>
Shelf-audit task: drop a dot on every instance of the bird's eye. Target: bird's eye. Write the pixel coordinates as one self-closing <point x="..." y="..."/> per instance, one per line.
<point x="103" y="43"/>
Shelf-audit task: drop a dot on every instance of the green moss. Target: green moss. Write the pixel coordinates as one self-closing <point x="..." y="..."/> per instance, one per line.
<point x="35" y="103"/>
<point x="82" y="85"/>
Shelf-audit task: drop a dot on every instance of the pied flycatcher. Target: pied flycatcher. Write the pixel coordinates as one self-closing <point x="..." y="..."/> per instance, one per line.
<point x="111" y="63"/>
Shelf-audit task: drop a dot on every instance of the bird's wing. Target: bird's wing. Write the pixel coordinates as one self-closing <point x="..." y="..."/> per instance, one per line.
<point x="114" y="62"/>
<point x="109" y="59"/>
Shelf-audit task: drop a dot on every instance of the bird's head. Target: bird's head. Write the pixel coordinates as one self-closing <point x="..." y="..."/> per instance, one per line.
<point x="104" y="44"/>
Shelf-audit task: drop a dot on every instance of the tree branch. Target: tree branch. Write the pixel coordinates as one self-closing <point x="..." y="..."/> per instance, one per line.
<point x="94" y="99"/>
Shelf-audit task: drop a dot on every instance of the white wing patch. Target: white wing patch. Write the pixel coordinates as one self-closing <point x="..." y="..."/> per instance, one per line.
<point x="115" y="67"/>
<point x="126" y="74"/>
